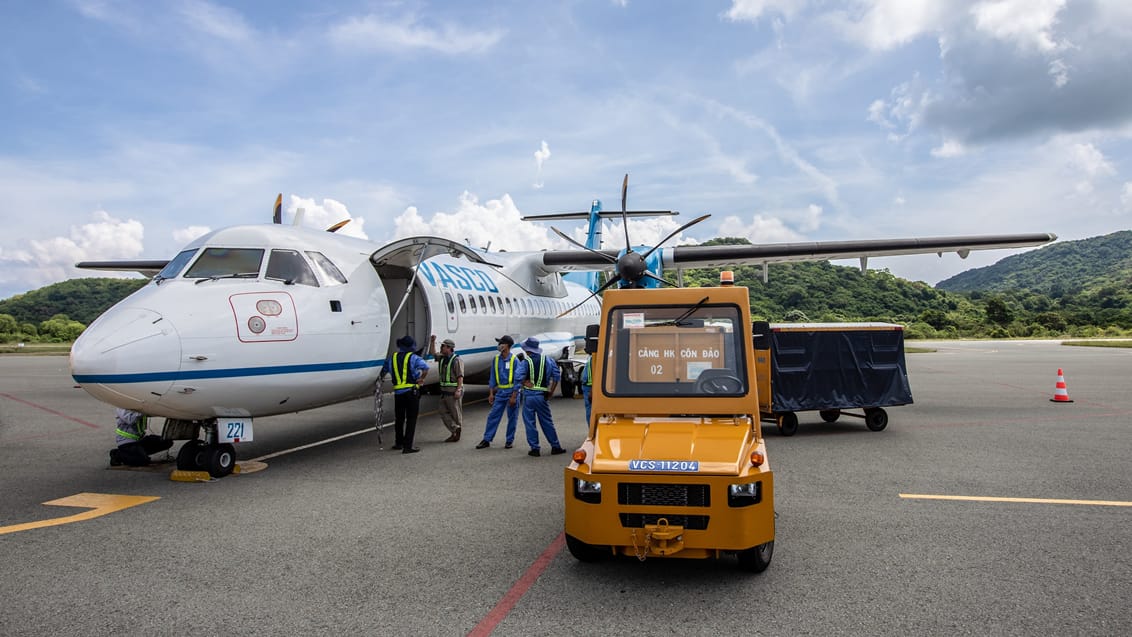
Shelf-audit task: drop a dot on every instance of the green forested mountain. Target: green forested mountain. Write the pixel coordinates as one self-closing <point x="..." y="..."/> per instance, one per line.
<point x="1087" y="265"/>
<point x="81" y="300"/>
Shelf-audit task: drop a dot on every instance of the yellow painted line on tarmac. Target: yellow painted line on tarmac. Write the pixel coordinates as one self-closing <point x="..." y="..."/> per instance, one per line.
<point x="980" y="498"/>
<point x="100" y="504"/>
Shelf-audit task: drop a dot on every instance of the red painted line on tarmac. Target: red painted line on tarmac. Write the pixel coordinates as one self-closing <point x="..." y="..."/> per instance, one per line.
<point x="518" y="589"/>
<point x="51" y="411"/>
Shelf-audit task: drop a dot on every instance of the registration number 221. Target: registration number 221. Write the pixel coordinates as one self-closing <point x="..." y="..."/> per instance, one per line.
<point x="234" y="429"/>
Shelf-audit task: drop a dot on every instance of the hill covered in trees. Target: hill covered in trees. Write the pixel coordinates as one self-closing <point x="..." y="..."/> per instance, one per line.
<point x="1087" y="265"/>
<point x="60" y="311"/>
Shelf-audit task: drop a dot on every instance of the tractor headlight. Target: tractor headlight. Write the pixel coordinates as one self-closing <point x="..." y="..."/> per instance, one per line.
<point x="587" y="490"/>
<point x="745" y="494"/>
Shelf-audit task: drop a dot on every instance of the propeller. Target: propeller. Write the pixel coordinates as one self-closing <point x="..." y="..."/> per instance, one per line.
<point x="631" y="267"/>
<point x="277" y="216"/>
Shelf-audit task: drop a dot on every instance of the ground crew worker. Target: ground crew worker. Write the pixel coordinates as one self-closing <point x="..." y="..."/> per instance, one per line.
<point x="539" y="376"/>
<point x="588" y="387"/>
<point x="451" y="386"/>
<point x="501" y="394"/>
<point x="134" y="445"/>
<point x="408" y="371"/>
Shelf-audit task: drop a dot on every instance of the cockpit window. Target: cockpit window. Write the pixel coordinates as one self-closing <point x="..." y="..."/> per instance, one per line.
<point x="178" y="263"/>
<point x="331" y="274"/>
<point x="290" y="267"/>
<point x="687" y="350"/>
<point x="226" y="262"/>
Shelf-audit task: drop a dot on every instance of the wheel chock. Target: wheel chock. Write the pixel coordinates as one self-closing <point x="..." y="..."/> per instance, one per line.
<point x="180" y="475"/>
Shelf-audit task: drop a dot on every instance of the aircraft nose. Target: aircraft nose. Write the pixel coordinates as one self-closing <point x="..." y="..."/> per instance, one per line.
<point x="128" y="357"/>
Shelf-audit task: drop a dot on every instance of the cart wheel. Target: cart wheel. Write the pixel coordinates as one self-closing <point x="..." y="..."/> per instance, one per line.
<point x="876" y="419"/>
<point x="830" y="415"/>
<point x="788" y="423"/>
<point x="584" y="552"/>
<point x="755" y="560"/>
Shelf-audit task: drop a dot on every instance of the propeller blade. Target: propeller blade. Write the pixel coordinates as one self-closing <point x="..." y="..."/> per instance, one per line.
<point x="277" y="215"/>
<point x="624" y="217"/>
<point x="608" y="284"/>
<point x="600" y="254"/>
<point x="337" y="226"/>
<point x="674" y="233"/>
<point x="661" y="279"/>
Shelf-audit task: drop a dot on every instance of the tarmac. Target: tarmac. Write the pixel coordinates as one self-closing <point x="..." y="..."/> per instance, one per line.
<point x="337" y="534"/>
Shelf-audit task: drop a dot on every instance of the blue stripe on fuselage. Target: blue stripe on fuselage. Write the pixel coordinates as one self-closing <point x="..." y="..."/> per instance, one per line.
<point x="237" y="372"/>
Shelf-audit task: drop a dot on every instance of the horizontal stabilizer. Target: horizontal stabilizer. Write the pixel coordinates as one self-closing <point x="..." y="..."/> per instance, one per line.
<point x="604" y="214"/>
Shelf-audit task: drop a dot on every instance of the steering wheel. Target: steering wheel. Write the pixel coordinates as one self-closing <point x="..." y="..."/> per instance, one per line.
<point x="718" y="381"/>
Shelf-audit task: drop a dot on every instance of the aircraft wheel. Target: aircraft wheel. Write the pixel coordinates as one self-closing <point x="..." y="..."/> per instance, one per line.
<point x="788" y="423"/>
<point x="584" y="552"/>
<point x="568" y="388"/>
<point x="192" y="456"/>
<point x="830" y="415"/>
<point x="755" y="560"/>
<point x="876" y="419"/>
<point x="221" y="460"/>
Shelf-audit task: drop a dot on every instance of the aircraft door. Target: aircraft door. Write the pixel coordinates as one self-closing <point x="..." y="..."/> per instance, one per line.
<point x="450" y="311"/>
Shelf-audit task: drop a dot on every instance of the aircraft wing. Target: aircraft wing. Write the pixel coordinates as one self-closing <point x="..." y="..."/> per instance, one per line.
<point x="147" y="268"/>
<point x="684" y="257"/>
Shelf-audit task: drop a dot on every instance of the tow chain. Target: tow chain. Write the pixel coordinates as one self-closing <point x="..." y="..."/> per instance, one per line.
<point x="641" y="554"/>
<point x="378" y="410"/>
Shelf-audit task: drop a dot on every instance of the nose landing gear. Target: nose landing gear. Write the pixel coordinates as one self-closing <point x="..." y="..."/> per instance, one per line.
<point x="218" y="459"/>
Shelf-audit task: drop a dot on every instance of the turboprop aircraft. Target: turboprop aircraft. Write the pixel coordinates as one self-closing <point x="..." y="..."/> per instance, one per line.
<point x="257" y="320"/>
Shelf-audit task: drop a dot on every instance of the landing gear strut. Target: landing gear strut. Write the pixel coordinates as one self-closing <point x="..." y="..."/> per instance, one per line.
<point x="197" y="455"/>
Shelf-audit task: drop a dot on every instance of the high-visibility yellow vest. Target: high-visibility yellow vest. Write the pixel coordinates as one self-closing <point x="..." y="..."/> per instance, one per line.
<point x="446" y="379"/>
<point x="588" y="373"/>
<point x="141" y="425"/>
<point x="510" y="373"/>
<point x="401" y="376"/>
<point x="537" y="385"/>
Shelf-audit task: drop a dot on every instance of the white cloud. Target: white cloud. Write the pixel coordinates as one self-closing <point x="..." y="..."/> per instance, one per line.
<point x="752" y="10"/>
<point x="216" y="21"/>
<point x="185" y="235"/>
<point x="1091" y="161"/>
<point x="1059" y="71"/>
<point x="949" y="148"/>
<point x="325" y="214"/>
<point x="50" y="260"/>
<point x="542" y="154"/>
<point x="1026" y="23"/>
<point x="495" y="222"/>
<point x="759" y="229"/>
<point x="886" y="24"/>
<point x="375" y="33"/>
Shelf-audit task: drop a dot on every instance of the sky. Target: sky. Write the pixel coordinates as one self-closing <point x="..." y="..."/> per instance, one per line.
<point x="129" y="128"/>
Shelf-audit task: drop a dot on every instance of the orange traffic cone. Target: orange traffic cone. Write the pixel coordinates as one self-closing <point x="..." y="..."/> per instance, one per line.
<point x="1060" y="393"/>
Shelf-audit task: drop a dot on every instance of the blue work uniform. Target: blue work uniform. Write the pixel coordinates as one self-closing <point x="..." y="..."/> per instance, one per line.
<point x="542" y="371"/>
<point x="588" y="387"/>
<point x="504" y="381"/>
<point x="406" y="368"/>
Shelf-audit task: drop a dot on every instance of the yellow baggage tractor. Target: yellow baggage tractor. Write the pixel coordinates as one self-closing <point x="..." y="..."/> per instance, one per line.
<point x="674" y="465"/>
<point x="829" y="368"/>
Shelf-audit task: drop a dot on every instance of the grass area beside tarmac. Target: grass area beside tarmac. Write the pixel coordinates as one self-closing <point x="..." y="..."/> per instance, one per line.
<point x="1098" y="343"/>
<point x="36" y="349"/>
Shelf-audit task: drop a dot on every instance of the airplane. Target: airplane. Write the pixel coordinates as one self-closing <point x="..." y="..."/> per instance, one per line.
<point x="256" y="320"/>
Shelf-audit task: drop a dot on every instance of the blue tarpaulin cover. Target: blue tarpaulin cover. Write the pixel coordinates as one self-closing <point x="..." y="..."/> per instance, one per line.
<point x="842" y="369"/>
